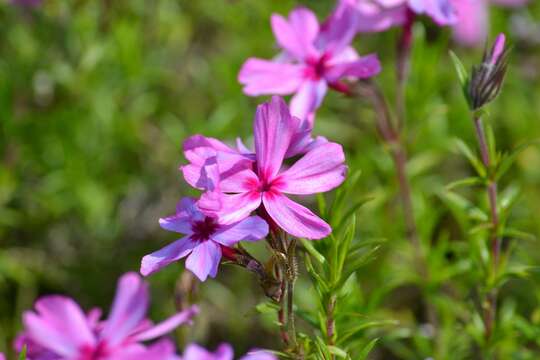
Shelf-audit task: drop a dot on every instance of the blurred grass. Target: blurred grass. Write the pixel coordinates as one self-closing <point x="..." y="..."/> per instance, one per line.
<point x="96" y="98"/>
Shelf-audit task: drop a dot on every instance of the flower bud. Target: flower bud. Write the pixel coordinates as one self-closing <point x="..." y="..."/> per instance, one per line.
<point x="486" y="79"/>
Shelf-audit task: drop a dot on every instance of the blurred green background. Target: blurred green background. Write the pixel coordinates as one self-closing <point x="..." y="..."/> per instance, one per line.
<point x="96" y="98"/>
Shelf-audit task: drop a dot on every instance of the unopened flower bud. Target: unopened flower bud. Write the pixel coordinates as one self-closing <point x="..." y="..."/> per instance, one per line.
<point x="486" y="79"/>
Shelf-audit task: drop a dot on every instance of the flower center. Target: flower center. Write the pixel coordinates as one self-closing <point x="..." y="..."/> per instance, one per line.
<point x="202" y="230"/>
<point x="317" y="66"/>
<point x="97" y="352"/>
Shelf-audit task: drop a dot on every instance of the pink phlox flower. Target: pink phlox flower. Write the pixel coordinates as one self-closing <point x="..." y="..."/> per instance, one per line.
<point x="59" y="329"/>
<point x="205" y="234"/>
<point x="313" y="59"/>
<point x="380" y="15"/>
<point x="471" y="28"/>
<point x="266" y="181"/>
<point x="204" y="173"/>
<point x="223" y="352"/>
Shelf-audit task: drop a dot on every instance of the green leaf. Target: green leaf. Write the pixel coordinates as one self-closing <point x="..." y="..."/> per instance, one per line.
<point x="320" y="282"/>
<point x="321" y="202"/>
<point x="517" y="234"/>
<point x="366" y="325"/>
<point x="470" y="181"/>
<point x="337" y="351"/>
<point x="22" y="355"/>
<point x="463" y="76"/>
<point x="465" y="206"/>
<point x="267" y="307"/>
<point x="509" y="159"/>
<point x="491" y="143"/>
<point x="473" y="159"/>
<point x="344" y="245"/>
<point x="367" y="349"/>
<point x="308" y="245"/>
<point x="354" y="262"/>
<point x="353" y="209"/>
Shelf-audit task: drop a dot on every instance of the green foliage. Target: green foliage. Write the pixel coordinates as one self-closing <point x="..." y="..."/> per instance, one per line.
<point x="96" y="98"/>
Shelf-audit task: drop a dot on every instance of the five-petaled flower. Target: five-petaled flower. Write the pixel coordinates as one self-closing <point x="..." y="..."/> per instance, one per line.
<point x="60" y="330"/>
<point x="223" y="352"/>
<point x="245" y="185"/>
<point x="313" y="58"/>
<point x="205" y="235"/>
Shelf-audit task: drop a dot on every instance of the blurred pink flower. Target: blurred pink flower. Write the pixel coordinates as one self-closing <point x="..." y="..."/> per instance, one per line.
<point x="380" y="15"/>
<point x="223" y="352"/>
<point x="471" y="28"/>
<point x="248" y="185"/>
<point x="2" y="357"/>
<point x="205" y="234"/>
<point x="59" y="329"/>
<point x="313" y="58"/>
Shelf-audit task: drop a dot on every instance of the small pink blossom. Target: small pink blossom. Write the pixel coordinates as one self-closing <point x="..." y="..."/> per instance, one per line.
<point x="312" y="59"/>
<point x="60" y="330"/>
<point x="205" y="234"/>
<point x="223" y="352"/>
<point x="471" y="28"/>
<point x="380" y="15"/>
<point x="2" y="357"/>
<point x="201" y="152"/>
<point x="265" y="182"/>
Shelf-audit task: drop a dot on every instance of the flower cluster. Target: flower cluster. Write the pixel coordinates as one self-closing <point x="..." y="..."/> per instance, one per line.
<point x="467" y="18"/>
<point x="238" y="181"/>
<point x="60" y="329"/>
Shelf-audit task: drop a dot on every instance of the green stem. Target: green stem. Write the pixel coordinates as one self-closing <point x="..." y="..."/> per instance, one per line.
<point x="330" y="322"/>
<point x="490" y="309"/>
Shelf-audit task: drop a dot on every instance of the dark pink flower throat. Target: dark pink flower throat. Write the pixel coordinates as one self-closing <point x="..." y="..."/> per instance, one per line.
<point x="202" y="230"/>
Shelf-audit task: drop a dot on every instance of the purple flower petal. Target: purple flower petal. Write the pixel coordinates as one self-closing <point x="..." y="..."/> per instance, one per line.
<point x="294" y="218"/>
<point x="441" y="11"/>
<point x="374" y="16"/>
<point x="252" y="228"/>
<point x="168" y="325"/>
<point x="162" y="350"/>
<point x="273" y="130"/>
<point x="322" y="169"/>
<point x="257" y="354"/>
<point x="59" y="325"/>
<point x="237" y="207"/>
<point x="262" y="77"/>
<point x="472" y="24"/>
<point x="128" y="309"/>
<point x="308" y="98"/>
<point x="236" y="173"/>
<point x="196" y="352"/>
<point x="298" y="34"/>
<point x="204" y="260"/>
<point x="338" y="32"/>
<point x="198" y="148"/>
<point x="362" y="68"/>
<point x="497" y="49"/>
<point x="167" y="255"/>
